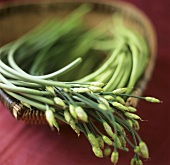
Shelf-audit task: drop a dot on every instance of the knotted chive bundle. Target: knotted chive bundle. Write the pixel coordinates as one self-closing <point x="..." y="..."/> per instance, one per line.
<point x="86" y="96"/>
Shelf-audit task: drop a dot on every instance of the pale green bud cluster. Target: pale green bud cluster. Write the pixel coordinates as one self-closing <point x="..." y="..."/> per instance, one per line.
<point x="136" y="125"/>
<point x="81" y="90"/>
<point x="109" y="97"/>
<point x="108" y="129"/>
<point x="58" y="101"/>
<point x="72" y="111"/>
<point x="100" y="141"/>
<point x="102" y="100"/>
<point x="107" y="140"/>
<point x="142" y="150"/>
<point x="74" y="127"/>
<point x="119" y="106"/>
<point x="95" y="89"/>
<point x="67" y="116"/>
<point x="132" y="116"/>
<point x="107" y="151"/>
<point x="93" y="140"/>
<point x="135" y="161"/>
<point x="152" y="99"/>
<point x="117" y="140"/>
<point x="51" y="119"/>
<point x="114" y="157"/>
<point x="50" y="89"/>
<point x="129" y="122"/>
<point x="122" y="140"/>
<point x="102" y="107"/>
<point x="120" y="100"/>
<point x="98" y="152"/>
<point x="71" y="121"/>
<point x="97" y="84"/>
<point x="131" y="109"/>
<point x="119" y="91"/>
<point x="81" y="114"/>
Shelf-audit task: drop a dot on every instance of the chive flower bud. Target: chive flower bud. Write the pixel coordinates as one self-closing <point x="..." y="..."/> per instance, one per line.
<point x="120" y="128"/>
<point x="103" y="101"/>
<point x="95" y="89"/>
<point x="74" y="127"/>
<point x="119" y="106"/>
<point x="122" y="140"/>
<point x="50" y="89"/>
<point x="136" y="125"/>
<point x="59" y="102"/>
<point x="131" y="109"/>
<point x="139" y="162"/>
<point x="116" y="140"/>
<point x="119" y="91"/>
<point x="102" y="107"/>
<point x="143" y="150"/>
<point x="93" y="140"/>
<point x="107" y="140"/>
<point x="120" y="100"/>
<point x="81" y="90"/>
<point x="129" y="122"/>
<point x="114" y="157"/>
<point x="107" y="151"/>
<point x="109" y="97"/>
<point x="108" y="129"/>
<point x="51" y="119"/>
<point x="72" y="111"/>
<point x="81" y="114"/>
<point x="97" y="84"/>
<point x="132" y="116"/>
<point x="67" y="116"/>
<point x="98" y="152"/>
<point x="152" y="100"/>
<point x="100" y="141"/>
<point x="133" y="161"/>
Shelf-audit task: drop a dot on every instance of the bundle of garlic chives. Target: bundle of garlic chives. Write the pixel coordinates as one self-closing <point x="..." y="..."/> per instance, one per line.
<point x="95" y="94"/>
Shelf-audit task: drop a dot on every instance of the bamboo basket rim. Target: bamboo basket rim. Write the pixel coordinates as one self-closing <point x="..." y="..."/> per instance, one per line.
<point x="124" y="8"/>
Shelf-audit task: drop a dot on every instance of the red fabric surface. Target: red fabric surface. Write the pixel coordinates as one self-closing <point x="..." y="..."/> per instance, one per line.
<point x="22" y="144"/>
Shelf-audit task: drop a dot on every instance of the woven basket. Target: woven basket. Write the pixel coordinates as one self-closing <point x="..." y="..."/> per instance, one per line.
<point x="24" y="16"/>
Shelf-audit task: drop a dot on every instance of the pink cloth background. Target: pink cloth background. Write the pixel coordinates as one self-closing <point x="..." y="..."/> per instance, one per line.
<point x="22" y="144"/>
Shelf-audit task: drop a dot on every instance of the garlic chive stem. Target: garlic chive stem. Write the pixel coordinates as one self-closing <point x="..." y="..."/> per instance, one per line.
<point x="60" y="117"/>
<point x="128" y="127"/>
<point x="86" y="128"/>
<point x="111" y="84"/>
<point x="51" y="75"/>
<point x="128" y="68"/>
<point x="40" y="99"/>
<point x="92" y="128"/>
<point x="25" y="84"/>
<point x="32" y="79"/>
<point x="104" y="66"/>
<point x="88" y="102"/>
<point x="7" y="74"/>
<point x="35" y="97"/>
<point x="95" y="127"/>
<point x="135" y="66"/>
<point x="24" y="90"/>
<point x="28" y="101"/>
<point x="137" y="135"/>
<point x="5" y="81"/>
